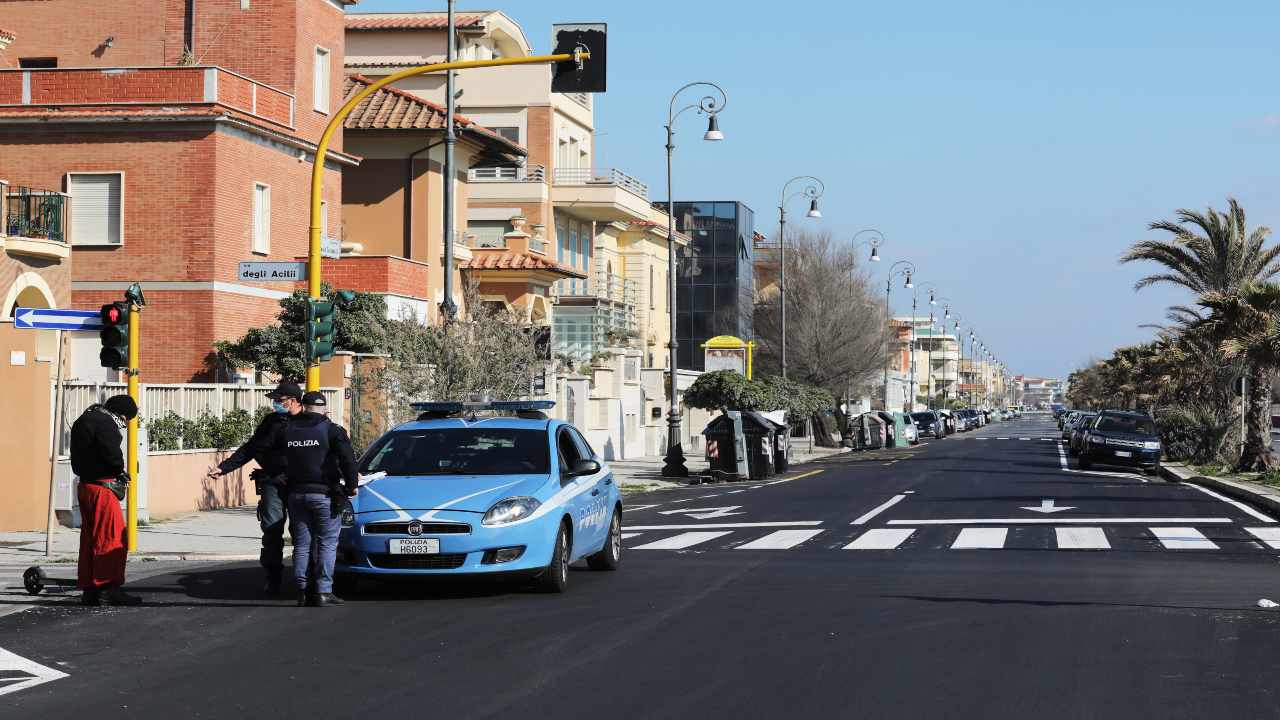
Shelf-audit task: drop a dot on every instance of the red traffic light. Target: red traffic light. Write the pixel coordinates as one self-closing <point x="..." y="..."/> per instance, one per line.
<point x="114" y="314"/>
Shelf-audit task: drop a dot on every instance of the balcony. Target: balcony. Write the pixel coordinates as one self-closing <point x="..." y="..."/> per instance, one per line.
<point x="34" y="222"/>
<point x="513" y="184"/>
<point x="613" y="297"/>
<point x="149" y="90"/>
<point x="602" y="195"/>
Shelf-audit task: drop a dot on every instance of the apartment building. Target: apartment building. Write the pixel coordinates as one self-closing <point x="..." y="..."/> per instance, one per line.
<point x="571" y="244"/>
<point x="183" y="134"/>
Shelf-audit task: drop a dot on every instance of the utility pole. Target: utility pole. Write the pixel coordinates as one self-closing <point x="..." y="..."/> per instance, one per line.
<point x="450" y="139"/>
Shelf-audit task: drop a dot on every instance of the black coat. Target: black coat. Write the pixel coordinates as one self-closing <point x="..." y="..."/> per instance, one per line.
<point x="263" y="447"/>
<point x="95" y="445"/>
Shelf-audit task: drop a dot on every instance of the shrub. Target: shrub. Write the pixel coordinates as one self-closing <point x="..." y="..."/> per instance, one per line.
<point x="1198" y="433"/>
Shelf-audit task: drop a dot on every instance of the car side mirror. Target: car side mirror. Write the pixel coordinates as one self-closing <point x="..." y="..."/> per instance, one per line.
<point x="584" y="467"/>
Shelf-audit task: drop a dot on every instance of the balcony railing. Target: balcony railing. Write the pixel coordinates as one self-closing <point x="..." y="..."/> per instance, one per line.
<point x="528" y="173"/>
<point x="31" y="213"/>
<point x="609" y="176"/>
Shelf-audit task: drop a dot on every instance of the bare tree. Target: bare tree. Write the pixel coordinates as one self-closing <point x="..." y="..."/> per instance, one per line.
<point x="835" y="326"/>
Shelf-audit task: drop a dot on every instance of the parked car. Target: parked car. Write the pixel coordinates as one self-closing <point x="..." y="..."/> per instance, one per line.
<point x="517" y="493"/>
<point x="1118" y="437"/>
<point x="1068" y="425"/>
<point x="1067" y="417"/>
<point x="909" y="431"/>
<point x="1083" y="423"/>
<point x="948" y="421"/>
<point x="929" y="424"/>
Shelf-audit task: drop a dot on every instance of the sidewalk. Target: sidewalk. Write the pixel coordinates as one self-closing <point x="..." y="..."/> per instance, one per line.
<point x="1262" y="496"/>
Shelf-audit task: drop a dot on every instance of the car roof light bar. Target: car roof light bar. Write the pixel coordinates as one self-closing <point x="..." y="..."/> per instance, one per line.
<point x="444" y="409"/>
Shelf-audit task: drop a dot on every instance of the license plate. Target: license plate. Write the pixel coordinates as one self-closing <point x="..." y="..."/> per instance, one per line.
<point x="415" y="546"/>
<point x="1123" y="453"/>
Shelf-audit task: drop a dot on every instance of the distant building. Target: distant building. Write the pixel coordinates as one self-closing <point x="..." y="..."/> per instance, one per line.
<point x="1040" y="392"/>
<point x="714" y="284"/>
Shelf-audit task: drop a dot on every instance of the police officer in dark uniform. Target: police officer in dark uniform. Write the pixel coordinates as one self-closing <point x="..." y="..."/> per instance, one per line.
<point x="269" y="478"/>
<point x="311" y="443"/>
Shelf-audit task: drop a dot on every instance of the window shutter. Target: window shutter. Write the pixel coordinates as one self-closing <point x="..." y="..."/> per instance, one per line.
<point x="321" y="81"/>
<point x="95" y="214"/>
<point x="261" y="219"/>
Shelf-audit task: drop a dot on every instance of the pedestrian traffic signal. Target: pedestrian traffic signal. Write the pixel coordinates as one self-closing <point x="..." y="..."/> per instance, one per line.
<point x="114" y="336"/>
<point x="583" y="74"/>
<point x="322" y="316"/>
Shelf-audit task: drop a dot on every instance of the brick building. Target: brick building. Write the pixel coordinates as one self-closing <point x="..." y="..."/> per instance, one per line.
<point x="184" y="132"/>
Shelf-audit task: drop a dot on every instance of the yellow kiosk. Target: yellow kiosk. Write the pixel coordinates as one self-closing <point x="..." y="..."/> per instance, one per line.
<point x="726" y="352"/>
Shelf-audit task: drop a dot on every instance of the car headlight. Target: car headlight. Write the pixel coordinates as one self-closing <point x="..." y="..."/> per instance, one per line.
<point x="510" y="510"/>
<point x="348" y="517"/>
<point x="1151" y="445"/>
<point x="1095" y="439"/>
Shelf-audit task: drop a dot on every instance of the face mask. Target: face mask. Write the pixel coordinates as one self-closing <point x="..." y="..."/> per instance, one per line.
<point x="279" y="407"/>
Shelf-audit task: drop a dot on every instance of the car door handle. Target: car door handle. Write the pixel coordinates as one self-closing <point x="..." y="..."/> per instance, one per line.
<point x="595" y="492"/>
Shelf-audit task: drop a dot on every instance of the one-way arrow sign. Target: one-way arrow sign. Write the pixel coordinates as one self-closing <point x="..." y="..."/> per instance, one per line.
<point x="704" y="513"/>
<point x="49" y="319"/>
<point x="1047" y="507"/>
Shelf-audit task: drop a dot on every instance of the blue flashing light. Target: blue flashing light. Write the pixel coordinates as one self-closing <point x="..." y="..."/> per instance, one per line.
<point x="503" y="406"/>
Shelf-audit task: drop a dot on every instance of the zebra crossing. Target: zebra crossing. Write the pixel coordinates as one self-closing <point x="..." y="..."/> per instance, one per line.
<point x="1015" y="537"/>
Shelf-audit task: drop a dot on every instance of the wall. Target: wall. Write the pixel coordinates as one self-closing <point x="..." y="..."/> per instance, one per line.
<point x="177" y="484"/>
<point x="24" y="456"/>
<point x="146" y="32"/>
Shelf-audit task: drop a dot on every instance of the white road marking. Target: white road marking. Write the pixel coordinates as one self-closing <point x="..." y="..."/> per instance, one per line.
<point x="1056" y="521"/>
<point x="1268" y="535"/>
<point x="1182" y="538"/>
<point x="1048" y="507"/>
<point x="681" y="541"/>
<point x="18" y="673"/>
<point x="1002" y="438"/>
<point x="634" y="508"/>
<point x="879" y="509"/>
<point x="704" y="513"/>
<point x="1235" y="503"/>
<point x="1062" y="457"/>
<point x="780" y="540"/>
<point x="980" y="539"/>
<point x="983" y="438"/>
<point x="629" y="535"/>
<point x="1024" y="438"/>
<point x="719" y="526"/>
<point x="734" y="492"/>
<point x="881" y="539"/>
<point x="1082" y="538"/>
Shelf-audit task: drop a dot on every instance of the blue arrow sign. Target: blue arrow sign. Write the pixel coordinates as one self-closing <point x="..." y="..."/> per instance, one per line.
<point x="49" y="319"/>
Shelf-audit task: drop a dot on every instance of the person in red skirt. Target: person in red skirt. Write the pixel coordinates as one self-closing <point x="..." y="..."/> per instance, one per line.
<point x="96" y="458"/>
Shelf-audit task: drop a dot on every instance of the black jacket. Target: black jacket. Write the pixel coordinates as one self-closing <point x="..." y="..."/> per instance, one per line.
<point x="318" y="454"/>
<point x="95" y="445"/>
<point x="262" y="447"/>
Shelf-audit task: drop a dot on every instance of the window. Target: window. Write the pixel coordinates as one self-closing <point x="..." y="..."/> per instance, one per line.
<point x="40" y="62"/>
<point x="320" y="86"/>
<point x="97" y="199"/>
<point x="489" y="233"/>
<point x="261" y="218"/>
<point x="459" y="451"/>
<point x="653" y="296"/>
<point x="570" y="453"/>
<point x="510" y="133"/>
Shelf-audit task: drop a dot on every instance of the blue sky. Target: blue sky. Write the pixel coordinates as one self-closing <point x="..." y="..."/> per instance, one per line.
<point x="1011" y="150"/>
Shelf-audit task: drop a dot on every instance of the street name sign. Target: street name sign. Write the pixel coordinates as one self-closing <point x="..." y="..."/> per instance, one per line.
<point x="273" y="271"/>
<point x="50" y="319"/>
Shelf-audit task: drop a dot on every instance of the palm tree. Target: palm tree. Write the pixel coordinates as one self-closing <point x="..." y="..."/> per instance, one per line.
<point x="1247" y="322"/>
<point x="1214" y="254"/>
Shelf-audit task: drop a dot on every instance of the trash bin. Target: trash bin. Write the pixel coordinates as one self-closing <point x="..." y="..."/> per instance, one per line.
<point x="760" y="433"/>
<point x="781" y="445"/>
<point x="891" y="428"/>
<point x="726" y="447"/>
<point x="875" y="430"/>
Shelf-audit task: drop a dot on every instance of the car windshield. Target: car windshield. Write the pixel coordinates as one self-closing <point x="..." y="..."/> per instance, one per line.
<point x="459" y="451"/>
<point x="1126" y="424"/>
<point x="922" y="417"/>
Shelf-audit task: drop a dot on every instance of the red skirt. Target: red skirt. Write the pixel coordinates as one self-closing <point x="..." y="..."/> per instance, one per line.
<point x="102" y="538"/>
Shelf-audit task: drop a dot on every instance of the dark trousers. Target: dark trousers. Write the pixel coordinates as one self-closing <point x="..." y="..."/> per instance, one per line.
<point x="273" y="516"/>
<point x="316" y="519"/>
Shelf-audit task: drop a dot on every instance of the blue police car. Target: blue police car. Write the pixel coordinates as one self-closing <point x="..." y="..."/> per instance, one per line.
<point x="475" y="488"/>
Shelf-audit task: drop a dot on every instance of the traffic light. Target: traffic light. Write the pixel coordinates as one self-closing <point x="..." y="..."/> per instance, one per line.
<point x="114" y="336"/>
<point x="322" y="316"/>
<point x="587" y="75"/>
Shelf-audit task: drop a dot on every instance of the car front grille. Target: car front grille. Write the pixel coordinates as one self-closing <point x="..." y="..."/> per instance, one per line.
<point x="387" y="561"/>
<point x="400" y="527"/>
<point x="1125" y="443"/>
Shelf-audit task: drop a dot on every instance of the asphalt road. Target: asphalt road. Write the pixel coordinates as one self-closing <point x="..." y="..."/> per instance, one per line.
<point x="972" y="577"/>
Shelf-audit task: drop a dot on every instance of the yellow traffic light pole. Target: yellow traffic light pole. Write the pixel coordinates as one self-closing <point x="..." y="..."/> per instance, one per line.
<point x="322" y="149"/>
<point x="131" y="436"/>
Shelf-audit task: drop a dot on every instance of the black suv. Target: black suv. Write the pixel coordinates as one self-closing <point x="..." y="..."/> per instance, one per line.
<point x="928" y="423"/>
<point x="1117" y="437"/>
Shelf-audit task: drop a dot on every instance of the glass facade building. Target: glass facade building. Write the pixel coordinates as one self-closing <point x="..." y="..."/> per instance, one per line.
<point x="714" y="292"/>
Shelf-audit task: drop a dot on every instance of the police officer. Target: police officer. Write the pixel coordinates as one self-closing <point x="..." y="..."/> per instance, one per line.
<point x="269" y="478"/>
<point x="311" y="443"/>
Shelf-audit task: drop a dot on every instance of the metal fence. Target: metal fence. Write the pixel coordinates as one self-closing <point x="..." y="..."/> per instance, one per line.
<point x="603" y="176"/>
<point x="187" y="401"/>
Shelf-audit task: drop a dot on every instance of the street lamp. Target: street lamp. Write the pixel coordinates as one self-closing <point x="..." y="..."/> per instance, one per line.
<point x="907" y="271"/>
<point x="673" y="464"/>
<point x="813" y="191"/>
<point x="946" y="314"/>
<point x="874" y="242"/>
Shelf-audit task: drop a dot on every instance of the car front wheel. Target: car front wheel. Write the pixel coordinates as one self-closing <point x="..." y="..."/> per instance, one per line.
<point x="611" y="554"/>
<point x="555" y="577"/>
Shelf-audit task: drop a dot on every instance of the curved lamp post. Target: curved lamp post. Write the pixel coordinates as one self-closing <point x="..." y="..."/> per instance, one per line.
<point x="813" y="191"/>
<point x="904" y="269"/>
<point x="875" y="241"/>
<point x="946" y="305"/>
<point x="710" y="105"/>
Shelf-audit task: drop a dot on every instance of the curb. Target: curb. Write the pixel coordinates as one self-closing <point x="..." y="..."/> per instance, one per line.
<point x="1260" y="497"/>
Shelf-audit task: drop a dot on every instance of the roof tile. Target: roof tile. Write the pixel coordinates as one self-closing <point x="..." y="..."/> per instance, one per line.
<point x="482" y="259"/>
<point x="410" y="21"/>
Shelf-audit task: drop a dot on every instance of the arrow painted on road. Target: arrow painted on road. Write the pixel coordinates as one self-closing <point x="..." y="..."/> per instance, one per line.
<point x="1047" y="507"/>
<point x="49" y="319"/>
<point x="18" y="673"/>
<point x="704" y="513"/>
